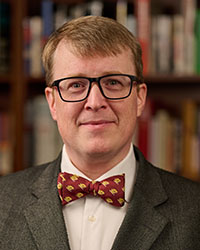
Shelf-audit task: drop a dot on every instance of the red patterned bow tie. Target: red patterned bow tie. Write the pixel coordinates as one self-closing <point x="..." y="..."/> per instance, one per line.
<point x="72" y="187"/>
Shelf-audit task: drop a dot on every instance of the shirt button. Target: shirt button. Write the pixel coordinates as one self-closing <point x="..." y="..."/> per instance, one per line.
<point x="92" y="218"/>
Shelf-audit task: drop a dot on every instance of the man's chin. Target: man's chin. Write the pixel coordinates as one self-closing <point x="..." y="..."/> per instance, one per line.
<point x="98" y="149"/>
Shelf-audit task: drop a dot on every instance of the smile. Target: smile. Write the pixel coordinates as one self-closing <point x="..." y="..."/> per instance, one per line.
<point x="97" y="124"/>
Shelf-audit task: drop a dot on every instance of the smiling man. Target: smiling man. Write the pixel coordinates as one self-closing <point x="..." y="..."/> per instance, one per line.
<point x="96" y="129"/>
<point x="100" y="193"/>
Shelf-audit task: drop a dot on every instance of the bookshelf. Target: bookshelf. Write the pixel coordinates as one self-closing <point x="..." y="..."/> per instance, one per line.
<point x="19" y="87"/>
<point x="173" y="88"/>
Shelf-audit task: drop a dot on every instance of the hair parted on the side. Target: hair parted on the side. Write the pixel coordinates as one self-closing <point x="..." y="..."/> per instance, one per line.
<point x="92" y="36"/>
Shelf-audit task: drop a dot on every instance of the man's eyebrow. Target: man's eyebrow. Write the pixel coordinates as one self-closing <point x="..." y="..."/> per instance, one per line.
<point x="102" y="74"/>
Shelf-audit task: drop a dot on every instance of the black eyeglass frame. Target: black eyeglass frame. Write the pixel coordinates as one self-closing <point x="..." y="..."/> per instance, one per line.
<point x="133" y="79"/>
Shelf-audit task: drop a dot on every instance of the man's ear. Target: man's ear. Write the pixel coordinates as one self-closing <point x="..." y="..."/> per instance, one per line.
<point x="50" y="96"/>
<point x="141" y="98"/>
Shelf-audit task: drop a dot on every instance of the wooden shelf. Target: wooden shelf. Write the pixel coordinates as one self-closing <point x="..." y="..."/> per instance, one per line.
<point x="173" y="89"/>
<point x="35" y="80"/>
<point x="4" y="79"/>
<point x="172" y="80"/>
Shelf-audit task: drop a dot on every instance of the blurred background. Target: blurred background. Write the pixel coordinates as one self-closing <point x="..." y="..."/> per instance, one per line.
<point x="168" y="133"/>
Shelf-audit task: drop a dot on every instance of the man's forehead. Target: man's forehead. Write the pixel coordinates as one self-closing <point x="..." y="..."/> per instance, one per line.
<point x="67" y="61"/>
<point x="83" y="51"/>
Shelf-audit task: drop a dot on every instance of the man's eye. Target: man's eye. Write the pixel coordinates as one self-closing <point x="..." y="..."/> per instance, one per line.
<point x="76" y="85"/>
<point x="113" y="82"/>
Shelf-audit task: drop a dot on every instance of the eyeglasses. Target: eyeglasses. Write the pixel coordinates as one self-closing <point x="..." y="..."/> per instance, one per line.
<point x="113" y="87"/>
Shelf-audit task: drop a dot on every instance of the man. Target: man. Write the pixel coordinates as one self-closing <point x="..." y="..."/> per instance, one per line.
<point x="95" y="93"/>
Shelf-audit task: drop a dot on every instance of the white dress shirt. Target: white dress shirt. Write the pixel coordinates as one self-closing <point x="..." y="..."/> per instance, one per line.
<point x="91" y="222"/>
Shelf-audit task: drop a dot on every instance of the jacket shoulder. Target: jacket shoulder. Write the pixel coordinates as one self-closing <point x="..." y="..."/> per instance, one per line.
<point x="180" y="186"/>
<point x="174" y="185"/>
<point x="19" y="182"/>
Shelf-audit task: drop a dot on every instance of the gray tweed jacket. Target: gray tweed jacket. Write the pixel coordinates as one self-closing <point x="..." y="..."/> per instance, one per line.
<point x="164" y="213"/>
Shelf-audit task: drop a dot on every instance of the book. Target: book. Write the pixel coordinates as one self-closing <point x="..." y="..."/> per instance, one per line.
<point x="189" y="12"/>
<point x="35" y="46"/>
<point x="60" y="15"/>
<point x="190" y="149"/>
<point x="164" y="44"/>
<point x="165" y="148"/>
<point x="5" y="145"/>
<point x="42" y="142"/>
<point x="159" y="136"/>
<point x="143" y="30"/>
<point x="47" y="141"/>
<point x="153" y="46"/>
<point x="78" y="10"/>
<point x="160" y="139"/>
<point x="153" y="149"/>
<point x="197" y="36"/>
<point x="131" y="24"/>
<point x="47" y="19"/>
<point x="95" y="8"/>
<point x="122" y="11"/>
<point x="4" y="37"/>
<point x="178" y="44"/>
<point x="169" y="140"/>
<point x="28" y="157"/>
<point x="177" y="145"/>
<point x="26" y="44"/>
<point x="143" y="128"/>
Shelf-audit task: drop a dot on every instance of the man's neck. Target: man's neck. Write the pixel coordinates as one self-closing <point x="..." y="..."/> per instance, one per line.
<point x="94" y="166"/>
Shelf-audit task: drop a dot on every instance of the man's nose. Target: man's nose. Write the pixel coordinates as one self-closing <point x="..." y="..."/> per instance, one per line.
<point x="95" y="99"/>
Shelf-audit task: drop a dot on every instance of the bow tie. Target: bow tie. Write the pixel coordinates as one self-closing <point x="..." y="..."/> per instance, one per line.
<point x="72" y="187"/>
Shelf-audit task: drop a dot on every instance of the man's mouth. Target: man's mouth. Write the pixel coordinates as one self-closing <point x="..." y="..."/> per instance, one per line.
<point x="97" y="124"/>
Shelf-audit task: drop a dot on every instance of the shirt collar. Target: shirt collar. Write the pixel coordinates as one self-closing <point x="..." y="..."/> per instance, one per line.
<point x="126" y="166"/>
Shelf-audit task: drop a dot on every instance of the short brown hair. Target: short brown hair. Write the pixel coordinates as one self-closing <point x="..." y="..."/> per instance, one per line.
<point x="90" y="36"/>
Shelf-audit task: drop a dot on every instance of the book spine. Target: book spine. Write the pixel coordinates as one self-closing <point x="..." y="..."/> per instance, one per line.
<point x="169" y="142"/>
<point x="143" y="30"/>
<point x="197" y="34"/>
<point x="177" y="140"/>
<point x="35" y="46"/>
<point x="28" y="133"/>
<point x="132" y="24"/>
<point x="5" y="146"/>
<point x="189" y="11"/>
<point x="47" y="142"/>
<point x="121" y="12"/>
<point x="143" y="138"/>
<point x="60" y="14"/>
<point x="96" y="8"/>
<point x="4" y="37"/>
<point x="26" y="45"/>
<point x="153" y="46"/>
<point x="47" y="19"/>
<point x="164" y="44"/>
<point x="178" y="45"/>
<point x="190" y="167"/>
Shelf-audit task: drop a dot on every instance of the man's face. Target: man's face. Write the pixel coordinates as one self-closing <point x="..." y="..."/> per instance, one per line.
<point x="95" y="127"/>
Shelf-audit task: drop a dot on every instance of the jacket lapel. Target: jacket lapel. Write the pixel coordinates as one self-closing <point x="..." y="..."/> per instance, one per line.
<point x="141" y="227"/>
<point x="143" y="223"/>
<point x="44" y="215"/>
